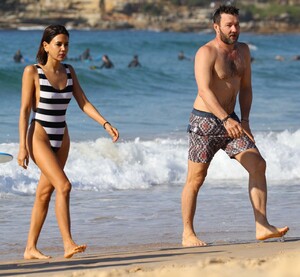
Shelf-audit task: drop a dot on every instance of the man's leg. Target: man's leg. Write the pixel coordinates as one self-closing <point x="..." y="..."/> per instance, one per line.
<point x="195" y="178"/>
<point x="253" y="162"/>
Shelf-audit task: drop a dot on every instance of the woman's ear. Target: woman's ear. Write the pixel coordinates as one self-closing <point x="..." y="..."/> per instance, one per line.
<point x="45" y="45"/>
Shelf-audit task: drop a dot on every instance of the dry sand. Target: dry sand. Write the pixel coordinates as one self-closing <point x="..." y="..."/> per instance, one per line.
<point x="268" y="259"/>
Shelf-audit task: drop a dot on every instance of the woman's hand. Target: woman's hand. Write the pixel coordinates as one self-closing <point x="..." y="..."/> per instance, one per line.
<point x="112" y="131"/>
<point x="23" y="158"/>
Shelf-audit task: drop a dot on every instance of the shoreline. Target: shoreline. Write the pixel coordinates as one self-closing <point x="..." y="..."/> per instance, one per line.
<point x="291" y="31"/>
<point x="256" y="27"/>
<point x="295" y="31"/>
<point x="270" y="258"/>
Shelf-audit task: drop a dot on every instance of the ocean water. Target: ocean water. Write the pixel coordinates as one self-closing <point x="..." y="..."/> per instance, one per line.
<point x="128" y="193"/>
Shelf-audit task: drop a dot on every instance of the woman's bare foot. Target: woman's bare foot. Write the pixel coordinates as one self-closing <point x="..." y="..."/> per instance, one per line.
<point x="263" y="233"/>
<point x="192" y="241"/>
<point x="33" y="253"/>
<point x="74" y="249"/>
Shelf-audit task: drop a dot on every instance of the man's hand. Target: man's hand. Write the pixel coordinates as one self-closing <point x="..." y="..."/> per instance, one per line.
<point x="236" y="130"/>
<point x="247" y="130"/>
<point x="233" y="128"/>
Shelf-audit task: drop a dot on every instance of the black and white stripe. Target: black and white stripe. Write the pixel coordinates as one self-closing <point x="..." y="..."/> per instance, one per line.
<point x="52" y="107"/>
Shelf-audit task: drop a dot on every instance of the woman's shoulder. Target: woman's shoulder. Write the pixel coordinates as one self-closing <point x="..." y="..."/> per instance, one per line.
<point x="70" y="67"/>
<point x="30" y="69"/>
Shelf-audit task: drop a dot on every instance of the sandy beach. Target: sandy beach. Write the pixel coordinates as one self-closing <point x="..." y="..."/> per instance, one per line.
<point x="273" y="258"/>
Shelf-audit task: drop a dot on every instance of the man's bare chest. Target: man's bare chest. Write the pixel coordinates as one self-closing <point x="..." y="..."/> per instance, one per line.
<point x="229" y="65"/>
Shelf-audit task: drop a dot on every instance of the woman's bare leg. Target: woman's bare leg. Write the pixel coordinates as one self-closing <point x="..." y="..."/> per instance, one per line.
<point x="63" y="203"/>
<point x="51" y="164"/>
<point x="38" y="216"/>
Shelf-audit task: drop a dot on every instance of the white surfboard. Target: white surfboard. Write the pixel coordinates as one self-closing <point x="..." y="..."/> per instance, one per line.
<point x="5" y="157"/>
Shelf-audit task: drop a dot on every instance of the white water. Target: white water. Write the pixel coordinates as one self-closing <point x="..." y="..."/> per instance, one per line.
<point x="102" y="166"/>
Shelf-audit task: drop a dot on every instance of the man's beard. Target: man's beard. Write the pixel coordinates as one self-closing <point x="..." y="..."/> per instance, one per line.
<point x="227" y="40"/>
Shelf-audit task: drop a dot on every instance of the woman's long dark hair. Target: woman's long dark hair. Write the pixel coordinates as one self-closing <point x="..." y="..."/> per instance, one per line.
<point x="49" y="33"/>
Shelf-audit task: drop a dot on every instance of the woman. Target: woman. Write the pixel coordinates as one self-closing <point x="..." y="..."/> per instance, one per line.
<point x="47" y="88"/>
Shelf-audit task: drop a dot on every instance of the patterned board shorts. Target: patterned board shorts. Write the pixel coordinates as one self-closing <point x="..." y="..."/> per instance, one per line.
<point x="207" y="135"/>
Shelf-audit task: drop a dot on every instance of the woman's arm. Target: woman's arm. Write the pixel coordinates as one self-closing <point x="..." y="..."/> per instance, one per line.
<point x="87" y="107"/>
<point x="28" y="88"/>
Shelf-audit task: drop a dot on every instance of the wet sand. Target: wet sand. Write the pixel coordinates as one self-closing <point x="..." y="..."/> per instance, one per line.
<point x="272" y="258"/>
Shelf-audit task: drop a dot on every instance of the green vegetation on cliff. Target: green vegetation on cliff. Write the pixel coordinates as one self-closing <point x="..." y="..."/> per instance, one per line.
<point x="259" y="10"/>
<point x="274" y="11"/>
<point x="166" y="15"/>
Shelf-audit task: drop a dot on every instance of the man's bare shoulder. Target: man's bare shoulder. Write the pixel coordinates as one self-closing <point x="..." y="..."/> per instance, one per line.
<point x="244" y="49"/>
<point x="243" y="46"/>
<point x="206" y="51"/>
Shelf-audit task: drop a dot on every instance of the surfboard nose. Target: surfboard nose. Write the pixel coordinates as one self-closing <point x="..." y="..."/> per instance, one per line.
<point x="5" y="157"/>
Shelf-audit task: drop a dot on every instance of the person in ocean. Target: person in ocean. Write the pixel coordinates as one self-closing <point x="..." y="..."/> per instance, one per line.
<point x="47" y="88"/>
<point x="181" y="56"/>
<point x="107" y="63"/>
<point x="18" y="57"/>
<point x="86" y="55"/>
<point x="135" y="62"/>
<point x="223" y="73"/>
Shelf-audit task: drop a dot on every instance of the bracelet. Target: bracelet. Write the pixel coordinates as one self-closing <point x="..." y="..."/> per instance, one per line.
<point x="225" y="119"/>
<point x="106" y="122"/>
<point x="245" y="120"/>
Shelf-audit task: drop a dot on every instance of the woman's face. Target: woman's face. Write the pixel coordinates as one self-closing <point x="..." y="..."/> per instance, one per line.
<point x="58" y="47"/>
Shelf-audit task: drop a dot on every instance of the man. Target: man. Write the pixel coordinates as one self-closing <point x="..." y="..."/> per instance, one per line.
<point x="222" y="71"/>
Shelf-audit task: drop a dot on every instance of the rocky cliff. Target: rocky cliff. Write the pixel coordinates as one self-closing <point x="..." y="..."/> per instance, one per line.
<point x="122" y="14"/>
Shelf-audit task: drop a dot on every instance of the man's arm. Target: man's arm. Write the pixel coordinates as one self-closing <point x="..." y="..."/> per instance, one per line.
<point x="245" y="95"/>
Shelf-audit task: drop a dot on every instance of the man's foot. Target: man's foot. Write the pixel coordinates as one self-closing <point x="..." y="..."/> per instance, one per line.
<point x="192" y="241"/>
<point x="74" y="249"/>
<point x="33" y="253"/>
<point x="263" y="233"/>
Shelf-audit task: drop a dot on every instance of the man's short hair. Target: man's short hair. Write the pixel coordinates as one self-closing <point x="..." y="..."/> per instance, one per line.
<point x="224" y="9"/>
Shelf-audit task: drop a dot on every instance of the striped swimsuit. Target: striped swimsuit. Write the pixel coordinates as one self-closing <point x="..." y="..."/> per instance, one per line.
<point x="52" y="107"/>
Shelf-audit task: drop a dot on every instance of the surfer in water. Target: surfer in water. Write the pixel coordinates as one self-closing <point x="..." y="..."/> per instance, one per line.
<point x="47" y="88"/>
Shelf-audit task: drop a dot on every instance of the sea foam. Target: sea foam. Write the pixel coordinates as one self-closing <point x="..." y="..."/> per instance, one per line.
<point x="137" y="164"/>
